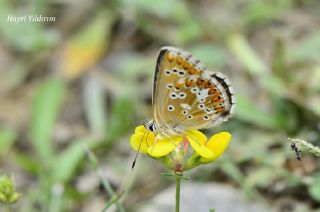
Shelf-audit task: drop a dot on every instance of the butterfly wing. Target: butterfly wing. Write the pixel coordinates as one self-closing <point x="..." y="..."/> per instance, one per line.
<point x="186" y="95"/>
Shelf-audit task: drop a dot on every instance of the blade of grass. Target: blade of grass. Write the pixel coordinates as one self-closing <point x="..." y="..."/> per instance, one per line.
<point x="112" y="201"/>
<point x="45" y="109"/>
<point x="106" y="185"/>
<point x="57" y="191"/>
<point x="66" y="163"/>
<point x="7" y="138"/>
<point x="94" y="105"/>
<point x="252" y="63"/>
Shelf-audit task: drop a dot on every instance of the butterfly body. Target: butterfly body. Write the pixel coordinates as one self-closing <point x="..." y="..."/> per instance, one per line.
<point x="186" y="95"/>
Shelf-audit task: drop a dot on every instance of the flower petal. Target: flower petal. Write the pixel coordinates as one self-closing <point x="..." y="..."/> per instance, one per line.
<point x="140" y="129"/>
<point x="217" y="144"/>
<point x="196" y="136"/>
<point x="142" y="139"/>
<point x="163" y="145"/>
<point x="197" y="140"/>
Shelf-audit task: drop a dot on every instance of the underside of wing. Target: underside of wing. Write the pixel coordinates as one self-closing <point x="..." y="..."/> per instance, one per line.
<point x="186" y="95"/>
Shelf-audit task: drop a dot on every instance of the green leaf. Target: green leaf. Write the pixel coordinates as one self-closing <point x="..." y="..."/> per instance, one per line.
<point x="254" y="65"/>
<point x="279" y="59"/>
<point x="28" y="163"/>
<point x="66" y="163"/>
<point x="314" y="190"/>
<point x="246" y="55"/>
<point x="248" y="111"/>
<point x="7" y="137"/>
<point x="94" y="102"/>
<point x="45" y="109"/>
<point x="122" y="113"/>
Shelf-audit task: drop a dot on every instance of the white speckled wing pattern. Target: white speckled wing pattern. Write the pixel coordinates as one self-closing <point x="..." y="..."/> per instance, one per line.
<point x="188" y="96"/>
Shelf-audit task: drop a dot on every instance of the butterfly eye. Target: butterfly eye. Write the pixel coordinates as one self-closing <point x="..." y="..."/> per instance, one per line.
<point x="151" y="128"/>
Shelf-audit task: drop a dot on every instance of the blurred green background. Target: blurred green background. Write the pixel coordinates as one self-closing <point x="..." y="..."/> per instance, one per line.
<point x="86" y="79"/>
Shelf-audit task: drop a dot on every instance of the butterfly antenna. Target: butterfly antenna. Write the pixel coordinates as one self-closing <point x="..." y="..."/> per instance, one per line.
<point x="136" y="157"/>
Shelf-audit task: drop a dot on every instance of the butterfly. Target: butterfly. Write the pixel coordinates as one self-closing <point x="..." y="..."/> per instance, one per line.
<point x="187" y="96"/>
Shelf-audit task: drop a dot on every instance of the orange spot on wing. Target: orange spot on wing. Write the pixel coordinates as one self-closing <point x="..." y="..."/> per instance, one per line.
<point x="186" y="65"/>
<point x="170" y="57"/>
<point x="213" y="91"/>
<point x="221" y="100"/>
<point x="194" y="71"/>
<point x="208" y="84"/>
<point x="216" y="98"/>
<point x="200" y="81"/>
<point x="219" y="109"/>
<point x="189" y="83"/>
<point x="180" y="60"/>
<point x="178" y="86"/>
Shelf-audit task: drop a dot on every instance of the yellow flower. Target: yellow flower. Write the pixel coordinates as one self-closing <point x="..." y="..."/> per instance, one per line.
<point x="157" y="146"/>
<point x="213" y="149"/>
<point x="154" y="145"/>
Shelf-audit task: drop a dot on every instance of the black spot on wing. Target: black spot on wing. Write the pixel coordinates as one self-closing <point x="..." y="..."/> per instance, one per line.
<point x="225" y="113"/>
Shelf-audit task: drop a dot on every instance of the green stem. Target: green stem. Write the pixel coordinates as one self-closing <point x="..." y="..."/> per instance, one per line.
<point x="166" y="160"/>
<point x="178" y="180"/>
